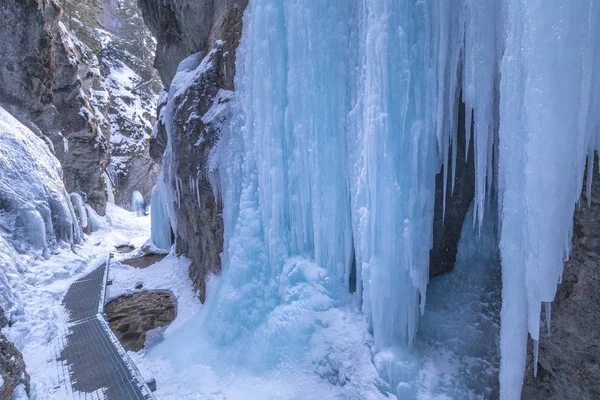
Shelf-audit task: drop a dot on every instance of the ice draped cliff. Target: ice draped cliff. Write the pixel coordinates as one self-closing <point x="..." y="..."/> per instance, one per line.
<point x="319" y="170"/>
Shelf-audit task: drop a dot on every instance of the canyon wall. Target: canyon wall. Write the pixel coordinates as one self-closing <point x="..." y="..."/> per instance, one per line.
<point x="45" y="78"/>
<point x="206" y="34"/>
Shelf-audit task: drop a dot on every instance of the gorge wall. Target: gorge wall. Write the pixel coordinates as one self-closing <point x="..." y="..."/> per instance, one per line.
<point x="45" y="78"/>
<point x="191" y="115"/>
<point x="82" y="77"/>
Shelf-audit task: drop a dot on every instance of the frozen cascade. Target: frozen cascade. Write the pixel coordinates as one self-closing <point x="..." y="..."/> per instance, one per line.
<point x="550" y="89"/>
<point x="346" y="111"/>
<point x="79" y="208"/>
<point x="160" y="223"/>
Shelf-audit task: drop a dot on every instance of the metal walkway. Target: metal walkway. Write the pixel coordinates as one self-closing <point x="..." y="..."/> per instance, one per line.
<point x="91" y="362"/>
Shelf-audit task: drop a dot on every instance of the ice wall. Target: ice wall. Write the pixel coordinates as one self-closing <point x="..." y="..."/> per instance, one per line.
<point x="345" y="111"/>
<point x="549" y="123"/>
<point x="35" y="207"/>
<point x="36" y="213"/>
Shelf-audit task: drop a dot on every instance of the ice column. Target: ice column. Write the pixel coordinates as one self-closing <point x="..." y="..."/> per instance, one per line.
<point x="549" y="112"/>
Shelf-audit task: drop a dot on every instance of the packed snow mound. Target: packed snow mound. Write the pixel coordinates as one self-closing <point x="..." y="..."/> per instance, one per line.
<point x="35" y="210"/>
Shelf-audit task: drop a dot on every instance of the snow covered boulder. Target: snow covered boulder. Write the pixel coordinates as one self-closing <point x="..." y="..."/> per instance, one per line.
<point x="35" y="210"/>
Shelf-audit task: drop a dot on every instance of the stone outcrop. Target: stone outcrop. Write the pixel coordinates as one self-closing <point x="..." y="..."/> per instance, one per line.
<point x="131" y="316"/>
<point x="569" y="359"/>
<point x="12" y="366"/>
<point x="210" y="31"/>
<point x="45" y="76"/>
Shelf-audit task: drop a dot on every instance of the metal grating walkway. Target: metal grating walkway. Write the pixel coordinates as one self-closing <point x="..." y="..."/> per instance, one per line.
<point x="92" y="363"/>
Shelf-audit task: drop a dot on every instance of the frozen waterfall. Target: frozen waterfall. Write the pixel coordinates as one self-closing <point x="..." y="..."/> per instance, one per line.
<point x="346" y="111"/>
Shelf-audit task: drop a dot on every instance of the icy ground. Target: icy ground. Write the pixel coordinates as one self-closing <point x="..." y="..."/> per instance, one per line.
<point x="455" y="357"/>
<point x="456" y="354"/>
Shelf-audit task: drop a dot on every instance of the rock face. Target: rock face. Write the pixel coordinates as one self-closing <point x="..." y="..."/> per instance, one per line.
<point x="130" y="317"/>
<point x="44" y="78"/>
<point x="128" y="87"/>
<point x="12" y="366"/>
<point x="185" y="27"/>
<point x="447" y="228"/>
<point x="190" y="116"/>
<point x="569" y="359"/>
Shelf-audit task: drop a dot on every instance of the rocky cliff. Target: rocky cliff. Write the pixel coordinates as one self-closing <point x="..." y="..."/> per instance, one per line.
<point x="81" y="75"/>
<point x="206" y="35"/>
<point x="45" y="79"/>
<point x="128" y="91"/>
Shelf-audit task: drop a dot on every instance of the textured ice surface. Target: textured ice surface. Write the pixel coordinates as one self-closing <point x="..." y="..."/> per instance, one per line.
<point x="347" y="110"/>
<point x="549" y="123"/>
<point x="35" y="206"/>
<point x="161" y="225"/>
<point x="36" y="214"/>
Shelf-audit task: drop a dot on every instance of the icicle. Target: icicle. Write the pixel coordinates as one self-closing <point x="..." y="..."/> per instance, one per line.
<point x="454" y="153"/>
<point x="178" y="189"/>
<point x="197" y="189"/>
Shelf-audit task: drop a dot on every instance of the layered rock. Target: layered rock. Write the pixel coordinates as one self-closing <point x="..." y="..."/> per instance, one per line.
<point x="131" y="316"/>
<point x="206" y="35"/>
<point x="45" y="76"/>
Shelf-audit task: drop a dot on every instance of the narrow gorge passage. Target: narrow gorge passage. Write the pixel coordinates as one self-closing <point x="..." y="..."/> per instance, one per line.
<point x="306" y="199"/>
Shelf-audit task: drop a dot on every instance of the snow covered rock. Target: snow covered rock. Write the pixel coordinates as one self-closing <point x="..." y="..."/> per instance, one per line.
<point x="132" y="316"/>
<point x="185" y="27"/>
<point x="188" y="175"/>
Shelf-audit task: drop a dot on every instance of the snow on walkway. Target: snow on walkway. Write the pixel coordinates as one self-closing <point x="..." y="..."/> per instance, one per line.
<point x="91" y="363"/>
<point x="41" y="284"/>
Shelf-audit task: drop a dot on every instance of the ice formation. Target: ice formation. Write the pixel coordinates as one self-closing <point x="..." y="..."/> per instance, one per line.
<point x="80" y="210"/>
<point x="347" y="111"/>
<point x="35" y="206"/>
<point x="161" y="225"/>
<point x="35" y="210"/>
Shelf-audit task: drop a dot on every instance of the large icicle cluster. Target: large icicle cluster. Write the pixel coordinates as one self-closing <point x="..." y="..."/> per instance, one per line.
<point x="549" y="126"/>
<point x="348" y="109"/>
